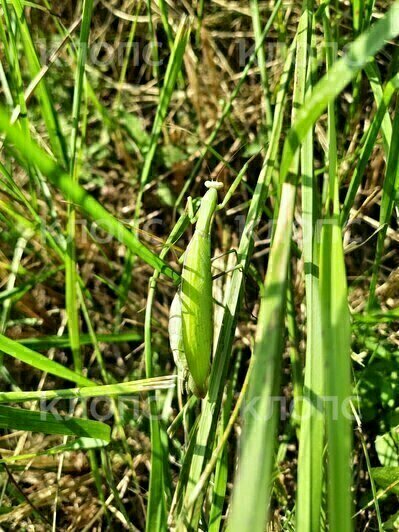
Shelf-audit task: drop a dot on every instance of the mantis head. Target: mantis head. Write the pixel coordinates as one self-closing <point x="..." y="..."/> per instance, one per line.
<point x="217" y="185"/>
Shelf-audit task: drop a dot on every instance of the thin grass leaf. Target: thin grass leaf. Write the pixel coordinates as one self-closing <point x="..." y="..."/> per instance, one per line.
<point x="172" y="72"/>
<point x="49" y="115"/>
<point x="336" y="336"/>
<point x="257" y="25"/>
<point x="255" y="471"/>
<point x="36" y="360"/>
<point x="47" y="342"/>
<point x="71" y="278"/>
<point x="48" y="423"/>
<point x="212" y="403"/>
<point x="391" y="87"/>
<point x="28" y="152"/>
<point x="78" y="444"/>
<point x="359" y="52"/>
<point x="389" y="194"/>
<point x="106" y="390"/>
<point x="311" y="437"/>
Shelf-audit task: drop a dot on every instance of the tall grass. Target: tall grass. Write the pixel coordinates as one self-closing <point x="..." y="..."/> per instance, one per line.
<point x="306" y="314"/>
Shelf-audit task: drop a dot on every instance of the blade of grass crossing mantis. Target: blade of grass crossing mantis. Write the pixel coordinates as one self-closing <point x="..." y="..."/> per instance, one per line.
<point x="26" y="151"/>
<point x="212" y="403"/>
<point x="253" y="481"/>
<point x="256" y="464"/>
<point x="71" y="297"/>
<point x="107" y="390"/>
<point x="219" y="487"/>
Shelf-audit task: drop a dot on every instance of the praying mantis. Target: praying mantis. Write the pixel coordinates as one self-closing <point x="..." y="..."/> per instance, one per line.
<point x="191" y="311"/>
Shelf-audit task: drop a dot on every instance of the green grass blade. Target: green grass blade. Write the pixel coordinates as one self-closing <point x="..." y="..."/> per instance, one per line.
<point x="212" y="403"/>
<point x="78" y="444"/>
<point x="107" y="390"/>
<point x="71" y="281"/>
<point x="27" y="151"/>
<point x="391" y="87"/>
<point x="20" y="419"/>
<point x="50" y="116"/>
<point x="256" y="464"/>
<point x="359" y="52"/>
<point x="389" y="194"/>
<point x="254" y="478"/>
<point x="336" y="337"/>
<point x="157" y="515"/>
<point x="311" y="436"/>
<point x="47" y="342"/>
<point x="26" y="355"/>
<point x="257" y="25"/>
<point x="172" y="71"/>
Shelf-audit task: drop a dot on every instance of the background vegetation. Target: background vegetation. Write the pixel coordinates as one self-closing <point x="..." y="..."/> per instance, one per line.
<point x="113" y="113"/>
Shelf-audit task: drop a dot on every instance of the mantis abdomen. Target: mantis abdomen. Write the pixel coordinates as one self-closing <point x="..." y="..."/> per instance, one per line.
<point x="196" y="301"/>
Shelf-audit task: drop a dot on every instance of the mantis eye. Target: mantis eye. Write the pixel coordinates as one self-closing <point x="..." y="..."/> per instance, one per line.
<point x="214" y="184"/>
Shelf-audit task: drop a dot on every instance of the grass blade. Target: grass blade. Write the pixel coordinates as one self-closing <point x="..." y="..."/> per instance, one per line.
<point x="36" y="360"/>
<point x="359" y="52"/>
<point x="28" y="152"/>
<point x="20" y="419"/>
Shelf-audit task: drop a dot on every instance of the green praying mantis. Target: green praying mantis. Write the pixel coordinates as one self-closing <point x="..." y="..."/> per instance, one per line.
<point x="191" y="311"/>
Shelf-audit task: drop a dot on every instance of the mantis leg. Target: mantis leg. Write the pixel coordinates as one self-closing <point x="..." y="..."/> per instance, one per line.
<point x="224" y="254"/>
<point x="218" y="275"/>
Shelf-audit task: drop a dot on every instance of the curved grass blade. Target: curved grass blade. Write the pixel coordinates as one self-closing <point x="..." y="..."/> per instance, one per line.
<point x="391" y="87"/>
<point x="36" y="360"/>
<point x="189" y="515"/>
<point x="79" y="444"/>
<point x="107" y="390"/>
<point x="389" y="193"/>
<point x="343" y="71"/>
<point x="47" y="342"/>
<point x="28" y="152"/>
<point x="48" y="423"/>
